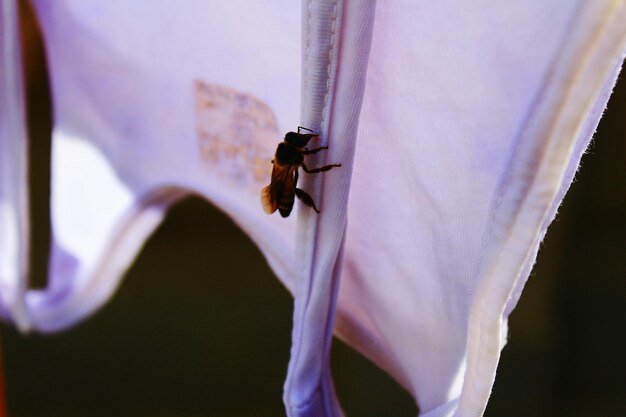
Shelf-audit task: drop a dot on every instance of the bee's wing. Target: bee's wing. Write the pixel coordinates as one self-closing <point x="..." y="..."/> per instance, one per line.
<point x="271" y="195"/>
<point x="267" y="200"/>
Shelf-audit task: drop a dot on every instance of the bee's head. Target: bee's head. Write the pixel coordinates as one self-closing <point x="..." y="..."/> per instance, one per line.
<point x="298" y="139"/>
<point x="288" y="155"/>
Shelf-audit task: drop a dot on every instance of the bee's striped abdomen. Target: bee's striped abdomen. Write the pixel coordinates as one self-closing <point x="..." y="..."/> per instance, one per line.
<point x="287" y="196"/>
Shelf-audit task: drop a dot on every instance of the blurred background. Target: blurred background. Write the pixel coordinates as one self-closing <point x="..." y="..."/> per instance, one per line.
<point x="194" y="331"/>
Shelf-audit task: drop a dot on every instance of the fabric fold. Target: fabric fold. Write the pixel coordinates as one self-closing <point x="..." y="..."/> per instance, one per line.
<point x="135" y="131"/>
<point x="336" y="38"/>
<point x="89" y="258"/>
<point x="14" y="212"/>
<point x="459" y="127"/>
<point x="595" y="47"/>
<point x="438" y="155"/>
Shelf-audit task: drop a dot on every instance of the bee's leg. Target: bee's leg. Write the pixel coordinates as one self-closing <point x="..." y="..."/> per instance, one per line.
<point x="306" y="199"/>
<point x="309" y="137"/>
<point x="320" y="169"/>
<point x="312" y="151"/>
<point x="302" y="195"/>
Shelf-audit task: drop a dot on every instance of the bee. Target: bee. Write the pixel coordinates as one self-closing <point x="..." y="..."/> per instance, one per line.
<point x="281" y="192"/>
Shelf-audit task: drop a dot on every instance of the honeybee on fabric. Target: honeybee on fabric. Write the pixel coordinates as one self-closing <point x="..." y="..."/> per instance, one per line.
<point x="289" y="157"/>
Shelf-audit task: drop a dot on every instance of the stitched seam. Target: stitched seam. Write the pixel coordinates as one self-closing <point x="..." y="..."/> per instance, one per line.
<point x="313" y="232"/>
<point x="481" y="310"/>
<point x="307" y="47"/>
<point x="298" y="336"/>
<point x="480" y="337"/>
<point x="331" y="49"/>
<point x="325" y="126"/>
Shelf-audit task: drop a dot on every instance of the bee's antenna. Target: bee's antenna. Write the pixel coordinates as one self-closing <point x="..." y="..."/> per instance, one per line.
<point x="304" y="128"/>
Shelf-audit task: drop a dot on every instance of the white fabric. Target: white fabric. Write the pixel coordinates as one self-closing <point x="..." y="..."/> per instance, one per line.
<point x="132" y="125"/>
<point x="468" y="177"/>
<point x="13" y="170"/>
<point x="336" y="40"/>
<point x="459" y="126"/>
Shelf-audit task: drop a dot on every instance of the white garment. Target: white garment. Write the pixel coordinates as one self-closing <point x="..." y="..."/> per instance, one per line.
<point x="13" y="169"/>
<point x="459" y="126"/>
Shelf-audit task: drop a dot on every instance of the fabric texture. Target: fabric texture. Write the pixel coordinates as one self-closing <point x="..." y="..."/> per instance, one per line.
<point x="459" y="126"/>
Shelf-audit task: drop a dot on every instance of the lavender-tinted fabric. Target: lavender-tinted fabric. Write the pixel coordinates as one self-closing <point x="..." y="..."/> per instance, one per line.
<point x="13" y="168"/>
<point x="144" y="116"/>
<point x="459" y="125"/>
<point x="458" y="173"/>
<point x="336" y="42"/>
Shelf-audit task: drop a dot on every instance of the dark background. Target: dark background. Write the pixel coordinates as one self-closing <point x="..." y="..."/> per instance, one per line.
<point x="194" y="331"/>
